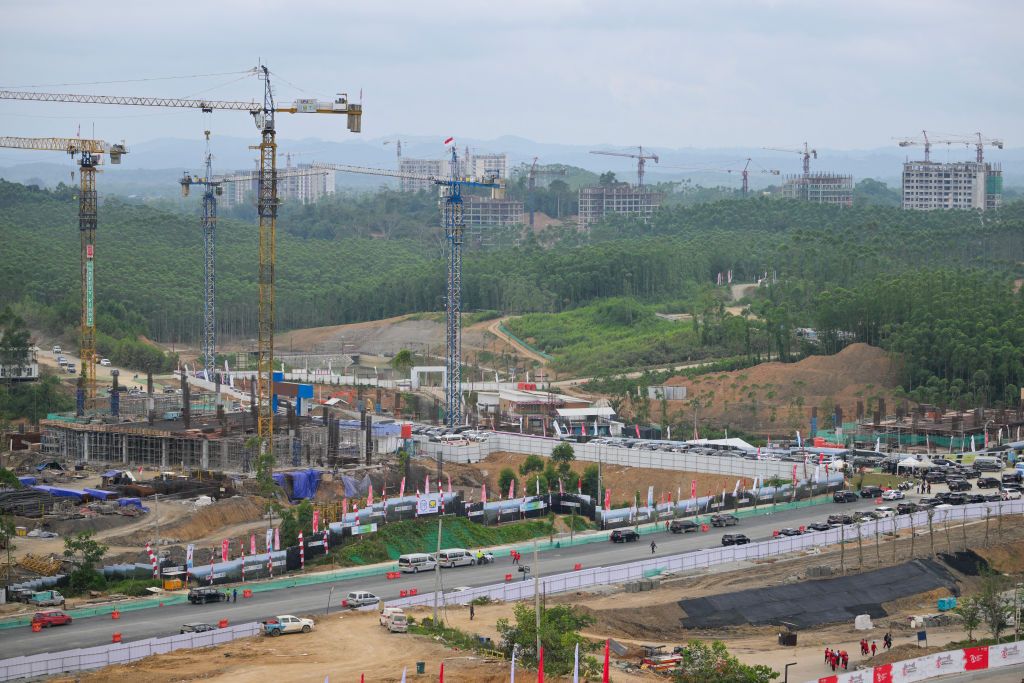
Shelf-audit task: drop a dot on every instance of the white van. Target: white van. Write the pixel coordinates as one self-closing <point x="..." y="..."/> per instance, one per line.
<point x="455" y="557"/>
<point x="416" y="562"/>
<point x="453" y="439"/>
<point x="988" y="463"/>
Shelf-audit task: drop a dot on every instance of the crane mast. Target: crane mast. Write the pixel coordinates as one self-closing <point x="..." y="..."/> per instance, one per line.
<point x="454" y="227"/>
<point x="263" y="113"/>
<point x="89" y="154"/>
<point x="641" y="160"/>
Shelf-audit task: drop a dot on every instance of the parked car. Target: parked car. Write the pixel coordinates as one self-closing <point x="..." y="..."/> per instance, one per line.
<point x="204" y="594"/>
<point x="1011" y="494"/>
<point x="844" y="497"/>
<point x="53" y="617"/>
<point x="819" y="526"/>
<point x="906" y="508"/>
<point x="287" y="623"/>
<point x="680" y="526"/>
<point x="1013" y="477"/>
<point x="988" y="483"/>
<point x="839" y="520"/>
<point x="928" y="502"/>
<point x="935" y="475"/>
<point x="624" y="536"/>
<point x="959" y="485"/>
<point x="883" y="511"/>
<point x="196" y="628"/>
<point x="893" y="494"/>
<point x="46" y="599"/>
<point x="957" y="499"/>
<point x="105" y="362"/>
<point x="871" y="492"/>
<point x="386" y="614"/>
<point x="724" y="520"/>
<point x="975" y="498"/>
<point x="993" y="497"/>
<point x="361" y="599"/>
<point x="734" y="539"/>
<point x="790" y="531"/>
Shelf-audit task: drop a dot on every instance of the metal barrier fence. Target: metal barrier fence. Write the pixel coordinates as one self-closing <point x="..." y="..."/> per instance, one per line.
<point x="613" y="455"/>
<point x="518" y="589"/>
<point x="83" y="659"/>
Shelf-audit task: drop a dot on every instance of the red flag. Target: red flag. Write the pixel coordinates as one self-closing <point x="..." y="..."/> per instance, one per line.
<point x="583" y="429"/>
<point x="579" y="485"/>
<point x="607" y="499"/>
<point x="483" y="493"/>
<point x="794" y="475"/>
<point x="447" y="141"/>
<point x="540" y="666"/>
<point x="607" y="658"/>
<point x="449" y="482"/>
<point x="442" y="663"/>
<point x="369" y="496"/>
<point x="512" y="489"/>
<point x="316" y="521"/>
<point x="401" y="488"/>
<point x="225" y="548"/>
<point x="693" y="488"/>
<point x="637" y="431"/>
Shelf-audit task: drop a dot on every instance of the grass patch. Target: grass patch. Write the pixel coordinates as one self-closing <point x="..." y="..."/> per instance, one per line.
<point x="133" y="587"/>
<point x="881" y="479"/>
<point x="420" y="536"/>
<point x="451" y="637"/>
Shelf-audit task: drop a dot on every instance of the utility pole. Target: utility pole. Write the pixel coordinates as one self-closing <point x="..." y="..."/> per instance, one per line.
<point x="536" y="593"/>
<point x="156" y="522"/>
<point x="437" y="567"/>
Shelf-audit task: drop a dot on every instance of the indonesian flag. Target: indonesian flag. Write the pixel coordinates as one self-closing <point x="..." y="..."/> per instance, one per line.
<point x="483" y="493"/>
<point x="583" y="429"/>
<point x="448" y="141"/>
<point x="401" y="488"/>
<point x="693" y="488"/>
<point x="512" y="489"/>
<point x="607" y="499"/>
<point x="794" y="475"/>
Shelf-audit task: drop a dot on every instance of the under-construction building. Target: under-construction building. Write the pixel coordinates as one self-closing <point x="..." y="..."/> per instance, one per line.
<point x="602" y="200"/>
<point x="477" y="166"/>
<point x="820" y="188"/>
<point x="930" y="185"/>
<point x="306" y="187"/>
<point x="490" y="211"/>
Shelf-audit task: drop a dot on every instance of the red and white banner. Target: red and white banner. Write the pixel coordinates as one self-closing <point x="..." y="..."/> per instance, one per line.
<point x="794" y="475"/>
<point x="302" y="552"/>
<point x="277" y="538"/>
<point x="401" y="488"/>
<point x="512" y="489"/>
<point x="270" y="540"/>
<point x="607" y="499"/>
<point x="225" y="549"/>
<point x="252" y="544"/>
<point x="327" y="540"/>
<point x="483" y="493"/>
<point x="243" y="564"/>
<point x="936" y="664"/>
<point x="693" y="488"/>
<point x="316" y="521"/>
<point x="369" y="496"/>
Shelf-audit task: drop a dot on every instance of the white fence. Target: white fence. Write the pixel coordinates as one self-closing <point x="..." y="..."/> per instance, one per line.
<point x="518" y="589"/>
<point x="83" y="659"/>
<point x="614" y="455"/>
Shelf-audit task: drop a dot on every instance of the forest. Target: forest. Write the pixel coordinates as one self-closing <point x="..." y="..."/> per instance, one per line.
<point x="937" y="287"/>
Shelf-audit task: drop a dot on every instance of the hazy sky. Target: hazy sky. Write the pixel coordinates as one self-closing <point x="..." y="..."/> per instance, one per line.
<point x="717" y="73"/>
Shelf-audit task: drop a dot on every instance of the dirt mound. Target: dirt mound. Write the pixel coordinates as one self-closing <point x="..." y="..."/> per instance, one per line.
<point x="201" y="523"/>
<point x="778" y="397"/>
<point x="1006" y="558"/>
<point x="967" y="562"/>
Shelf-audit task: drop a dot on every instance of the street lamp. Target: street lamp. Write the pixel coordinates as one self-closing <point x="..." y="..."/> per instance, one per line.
<point x="785" y="675"/>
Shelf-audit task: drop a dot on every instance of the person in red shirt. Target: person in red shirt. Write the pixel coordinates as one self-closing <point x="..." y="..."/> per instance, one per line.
<point x="874" y="648"/>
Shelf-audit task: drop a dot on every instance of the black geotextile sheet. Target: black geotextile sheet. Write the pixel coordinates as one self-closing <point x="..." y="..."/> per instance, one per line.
<point x="823" y="601"/>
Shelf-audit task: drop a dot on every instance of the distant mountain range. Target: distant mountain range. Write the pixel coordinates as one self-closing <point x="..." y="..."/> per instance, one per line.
<point x="153" y="167"/>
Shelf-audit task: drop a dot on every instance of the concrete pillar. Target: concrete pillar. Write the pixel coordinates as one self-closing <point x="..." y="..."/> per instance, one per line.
<point x="85" y="447"/>
<point x="204" y="461"/>
<point x="124" y="449"/>
<point x="164" y="446"/>
<point x="223" y="455"/>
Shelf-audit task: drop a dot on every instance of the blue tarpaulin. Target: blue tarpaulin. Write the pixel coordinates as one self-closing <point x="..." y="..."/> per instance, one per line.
<point x="27" y="481"/>
<point x="130" y="502"/>
<point x="100" y="494"/>
<point x="299" y="484"/>
<point x="111" y="473"/>
<point x="59" y="492"/>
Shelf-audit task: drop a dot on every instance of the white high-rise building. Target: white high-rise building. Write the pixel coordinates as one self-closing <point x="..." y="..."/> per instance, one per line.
<point x="930" y="185"/>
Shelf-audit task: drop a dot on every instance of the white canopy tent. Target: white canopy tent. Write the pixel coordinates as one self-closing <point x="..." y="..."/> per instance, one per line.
<point x="914" y="464"/>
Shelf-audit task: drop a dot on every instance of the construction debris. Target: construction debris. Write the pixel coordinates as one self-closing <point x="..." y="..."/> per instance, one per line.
<point x="44" y="566"/>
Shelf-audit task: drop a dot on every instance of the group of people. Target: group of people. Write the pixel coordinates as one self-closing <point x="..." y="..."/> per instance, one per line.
<point x="924" y="487"/>
<point x="515" y="556"/>
<point x="837" y="659"/>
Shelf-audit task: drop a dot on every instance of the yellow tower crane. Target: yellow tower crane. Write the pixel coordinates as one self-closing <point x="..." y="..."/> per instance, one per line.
<point x="90" y="155"/>
<point x="263" y="114"/>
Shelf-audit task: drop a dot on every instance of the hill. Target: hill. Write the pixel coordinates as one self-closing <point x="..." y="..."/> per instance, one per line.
<point x="776" y="398"/>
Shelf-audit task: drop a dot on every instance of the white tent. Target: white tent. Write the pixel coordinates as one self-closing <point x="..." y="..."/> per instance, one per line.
<point x="914" y="463"/>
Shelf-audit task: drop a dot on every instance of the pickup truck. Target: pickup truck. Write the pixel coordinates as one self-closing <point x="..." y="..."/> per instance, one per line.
<point x="46" y="599"/>
<point x="286" y="623"/>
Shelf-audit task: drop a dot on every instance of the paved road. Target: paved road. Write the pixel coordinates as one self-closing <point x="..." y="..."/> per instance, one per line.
<point x="1007" y="675"/>
<point x="148" y="623"/>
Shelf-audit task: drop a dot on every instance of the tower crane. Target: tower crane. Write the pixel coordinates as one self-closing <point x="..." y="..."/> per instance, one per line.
<point x="90" y="155"/>
<point x="398" y="149"/>
<point x="454" y="229"/>
<point x="532" y="173"/>
<point x="214" y="187"/>
<point x="979" y="146"/>
<point x="806" y="153"/>
<point x="640" y="157"/>
<point x="744" y="172"/>
<point x="263" y="115"/>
